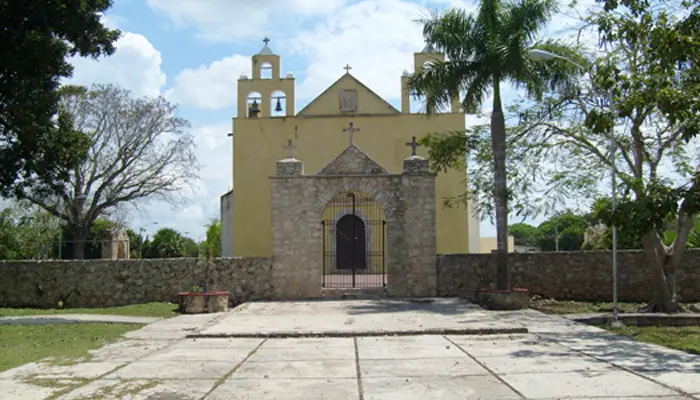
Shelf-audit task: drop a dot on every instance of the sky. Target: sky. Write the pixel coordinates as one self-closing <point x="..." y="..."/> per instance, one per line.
<point x="193" y="51"/>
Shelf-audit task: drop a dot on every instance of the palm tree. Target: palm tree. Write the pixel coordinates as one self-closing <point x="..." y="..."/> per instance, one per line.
<point x="483" y="50"/>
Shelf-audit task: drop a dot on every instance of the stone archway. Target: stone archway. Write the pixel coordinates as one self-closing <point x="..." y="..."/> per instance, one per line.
<point x="298" y="205"/>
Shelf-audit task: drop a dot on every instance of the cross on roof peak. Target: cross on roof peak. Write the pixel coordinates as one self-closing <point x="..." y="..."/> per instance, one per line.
<point x="266" y="40"/>
<point x="347" y="68"/>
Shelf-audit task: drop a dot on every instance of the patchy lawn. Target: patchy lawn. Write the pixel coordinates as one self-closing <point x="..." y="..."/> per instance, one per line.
<point x="686" y="338"/>
<point x="549" y="306"/>
<point x="21" y="344"/>
<point x="164" y="310"/>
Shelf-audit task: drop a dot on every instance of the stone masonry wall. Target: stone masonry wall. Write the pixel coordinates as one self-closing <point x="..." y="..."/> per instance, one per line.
<point x="583" y="276"/>
<point x="107" y="283"/>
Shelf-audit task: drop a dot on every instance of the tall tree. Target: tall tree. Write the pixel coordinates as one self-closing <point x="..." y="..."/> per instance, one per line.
<point x="484" y="50"/>
<point x="564" y="231"/>
<point x="211" y="246"/>
<point x="644" y="97"/>
<point x="138" y="152"/>
<point x="36" y="40"/>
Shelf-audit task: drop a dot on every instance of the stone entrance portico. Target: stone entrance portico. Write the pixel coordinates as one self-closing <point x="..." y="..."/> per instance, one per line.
<point x="298" y="203"/>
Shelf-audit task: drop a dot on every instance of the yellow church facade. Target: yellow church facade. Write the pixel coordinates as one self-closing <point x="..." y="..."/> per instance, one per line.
<point x="267" y="121"/>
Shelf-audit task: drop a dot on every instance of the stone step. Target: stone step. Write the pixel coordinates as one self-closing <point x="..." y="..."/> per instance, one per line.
<point x="354" y="293"/>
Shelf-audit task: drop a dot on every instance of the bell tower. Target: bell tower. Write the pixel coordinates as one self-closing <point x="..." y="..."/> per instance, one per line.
<point x="425" y="56"/>
<point x="267" y="94"/>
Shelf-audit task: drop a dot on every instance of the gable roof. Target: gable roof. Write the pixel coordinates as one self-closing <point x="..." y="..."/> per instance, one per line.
<point x="352" y="161"/>
<point x="347" y="75"/>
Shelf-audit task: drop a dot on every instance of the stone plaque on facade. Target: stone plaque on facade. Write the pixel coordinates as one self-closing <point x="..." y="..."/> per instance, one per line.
<point x="348" y="100"/>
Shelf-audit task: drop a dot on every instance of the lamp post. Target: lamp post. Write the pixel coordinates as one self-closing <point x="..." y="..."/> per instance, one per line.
<point x="543" y="55"/>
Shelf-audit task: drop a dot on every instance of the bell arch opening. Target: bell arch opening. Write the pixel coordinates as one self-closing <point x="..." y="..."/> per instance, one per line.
<point x="354" y="242"/>
<point x="278" y="104"/>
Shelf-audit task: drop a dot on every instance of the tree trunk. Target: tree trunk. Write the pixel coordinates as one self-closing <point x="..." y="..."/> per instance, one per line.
<point x="79" y="237"/>
<point x="498" y="142"/>
<point x="661" y="273"/>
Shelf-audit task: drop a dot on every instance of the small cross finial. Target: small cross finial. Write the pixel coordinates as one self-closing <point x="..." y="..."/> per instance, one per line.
<point x="266" y="40"/>
<point x="413" y="144"/>
<point x="347" y="68"/>
<point x="290" y="148"/>
<point x="351" y="128"/>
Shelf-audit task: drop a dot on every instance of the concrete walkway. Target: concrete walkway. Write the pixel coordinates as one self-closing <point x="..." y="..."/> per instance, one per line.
<point x="74" y="319"/>
<point x="556" y="359"/>
<point x="359" y="318"/>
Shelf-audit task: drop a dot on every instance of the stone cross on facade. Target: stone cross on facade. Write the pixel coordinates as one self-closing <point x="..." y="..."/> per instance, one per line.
<point x="290" y="148"/>
<point x="413" y="144"/>
<point x="352" y="131"/>
<point x="347" y="68"/>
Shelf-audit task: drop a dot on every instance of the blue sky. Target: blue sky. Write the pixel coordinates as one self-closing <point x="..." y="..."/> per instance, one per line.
<point x="193" y="51"/>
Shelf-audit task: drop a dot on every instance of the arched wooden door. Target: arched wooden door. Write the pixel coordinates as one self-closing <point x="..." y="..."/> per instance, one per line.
<point x="351" y="244"/>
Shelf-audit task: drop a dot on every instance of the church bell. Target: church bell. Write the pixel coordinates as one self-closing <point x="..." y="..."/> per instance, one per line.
<point x="254" y="109"/>
<point x="278" y="107"/>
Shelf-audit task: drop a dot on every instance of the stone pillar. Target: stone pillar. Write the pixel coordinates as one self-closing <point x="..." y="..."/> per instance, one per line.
<point x="296" y="257"/>
<point x="413" y="245"/>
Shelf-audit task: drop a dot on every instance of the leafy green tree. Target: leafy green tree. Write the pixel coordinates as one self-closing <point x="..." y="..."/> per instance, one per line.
<point x="27" y="233"/>
<point x="567" y="228"/>
<point x="190" y="248"/>
<point x="137" y="151"/>
<point x="166" y="243"/>
<point x="36" y="40"/>
<point x="523" y="234"/>
<point x="643" y="97"/>
<point x="211" y="246"/>
<point x="484" y="50"/>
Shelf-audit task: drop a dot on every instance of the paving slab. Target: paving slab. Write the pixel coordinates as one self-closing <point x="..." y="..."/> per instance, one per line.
<point x="560" y="363"/>
<point x="423" y="367"/>
<point x="358" y="318"/>
<point x="307" y="342"/>
<point x="217" y="343"/>
<point x="173" y="370"/>
<point x="287" y="389"/>
<point x="36" y="370"/>
<point x="10" y="389"/>
<point x="126" y="350"/>
<point x="303" y="353"/>
<point x="584" y="384"/>
<point x="185" y="355"/>
<point x="296" y="369"/>
<point x="375" y="350"/>
<point x="453" y="388"/>
<point x="141" y="389"/>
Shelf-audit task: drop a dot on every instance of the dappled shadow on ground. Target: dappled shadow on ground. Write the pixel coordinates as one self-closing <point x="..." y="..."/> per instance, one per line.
<point x="433" y="306"/>
<point x="627" y="353"/>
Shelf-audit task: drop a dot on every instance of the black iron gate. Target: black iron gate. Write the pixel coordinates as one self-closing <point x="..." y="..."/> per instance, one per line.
<point x="354" y="233"/>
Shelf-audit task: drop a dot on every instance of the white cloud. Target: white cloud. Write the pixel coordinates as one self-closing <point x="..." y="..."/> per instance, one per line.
<point x="376" y="37"/>
<point x="135" y="65"/>
<point x="232" y="20"/>
<point x="210" y="87"/>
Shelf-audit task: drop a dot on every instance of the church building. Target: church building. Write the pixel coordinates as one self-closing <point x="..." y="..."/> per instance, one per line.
<point x="269" y="128"/>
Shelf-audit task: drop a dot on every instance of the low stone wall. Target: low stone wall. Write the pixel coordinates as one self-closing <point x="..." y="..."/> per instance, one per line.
<point x="107" y="283"/>
<point x="583" y="276"/>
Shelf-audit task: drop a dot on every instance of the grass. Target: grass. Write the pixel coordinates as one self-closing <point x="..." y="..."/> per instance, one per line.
<point x="579" y="307"/>
<point x="22" y="344"/>
<point x="164" y="310"/>
<point x="686" y="338"/>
